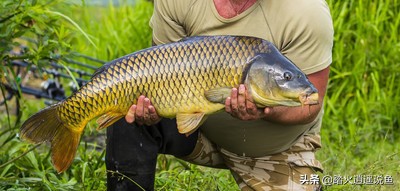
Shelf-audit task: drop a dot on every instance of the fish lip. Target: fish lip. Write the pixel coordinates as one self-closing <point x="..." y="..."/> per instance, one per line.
<point x="309" y="98"/>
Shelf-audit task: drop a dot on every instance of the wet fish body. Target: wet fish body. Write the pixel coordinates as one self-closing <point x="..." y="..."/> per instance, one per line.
<point x="189" y="80"/>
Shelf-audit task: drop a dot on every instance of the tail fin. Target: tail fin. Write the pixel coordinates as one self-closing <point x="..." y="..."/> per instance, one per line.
<point x="47" y="126"/>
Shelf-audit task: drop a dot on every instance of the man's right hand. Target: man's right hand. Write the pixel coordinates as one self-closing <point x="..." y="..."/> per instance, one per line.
<point x="142" y="113"/>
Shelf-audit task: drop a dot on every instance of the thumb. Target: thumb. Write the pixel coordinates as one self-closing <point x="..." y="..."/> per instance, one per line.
<point x="268" y="110"/>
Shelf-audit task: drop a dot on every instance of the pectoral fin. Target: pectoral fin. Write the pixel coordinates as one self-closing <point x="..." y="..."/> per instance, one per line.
<point x="189" y="122"/>
<point x="108" y="119"/>
<point x="218" y="95"/>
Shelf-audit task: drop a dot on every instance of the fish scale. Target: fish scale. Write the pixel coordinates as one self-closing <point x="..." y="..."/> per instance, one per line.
<point x="176" y="78"/>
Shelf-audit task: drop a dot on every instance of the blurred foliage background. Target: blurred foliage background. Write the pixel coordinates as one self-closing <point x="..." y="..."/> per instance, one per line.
<point x="360" y="133"/>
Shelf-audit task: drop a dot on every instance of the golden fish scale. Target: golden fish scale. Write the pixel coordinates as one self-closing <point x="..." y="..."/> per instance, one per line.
<point x="173" y="76"/>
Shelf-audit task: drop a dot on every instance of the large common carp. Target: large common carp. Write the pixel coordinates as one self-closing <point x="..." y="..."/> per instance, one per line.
<point x="189" y="80"/>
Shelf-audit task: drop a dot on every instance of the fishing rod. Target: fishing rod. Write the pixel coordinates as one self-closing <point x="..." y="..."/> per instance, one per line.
<point x="50" y="88"/>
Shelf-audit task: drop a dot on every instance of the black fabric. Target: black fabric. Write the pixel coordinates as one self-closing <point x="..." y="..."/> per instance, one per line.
<point x="132" y="151"/>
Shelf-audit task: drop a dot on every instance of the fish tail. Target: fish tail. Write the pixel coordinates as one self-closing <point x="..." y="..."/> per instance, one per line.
<point x="47" y="126"/>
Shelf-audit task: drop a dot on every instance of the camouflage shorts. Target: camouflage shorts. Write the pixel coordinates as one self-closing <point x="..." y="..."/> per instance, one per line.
<point x="275" y="172"/>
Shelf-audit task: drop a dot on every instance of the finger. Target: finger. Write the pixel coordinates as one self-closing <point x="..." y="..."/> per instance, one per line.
<point x="228" y="107"/>
<point x="130" y="116"/>
<point x="154" y="118"/>
<point x="146" y="116"/>
<point x="241" y="100"/>
<point x="249" y="97"/>
<point x="251" y="107"/>
<point x="139" y="109"/>
<point x="234" y="97"/>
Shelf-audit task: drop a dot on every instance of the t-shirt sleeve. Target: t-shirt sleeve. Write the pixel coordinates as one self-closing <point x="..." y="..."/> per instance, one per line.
<point x="308" y="35"/>
<point x="167" y="20"/>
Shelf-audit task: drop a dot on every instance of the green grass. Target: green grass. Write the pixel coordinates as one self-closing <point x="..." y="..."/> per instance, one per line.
<point x="361" y="128"/>
<point x="360" y="133"/>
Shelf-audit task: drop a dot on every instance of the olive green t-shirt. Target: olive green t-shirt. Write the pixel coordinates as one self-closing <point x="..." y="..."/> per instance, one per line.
<point x="302" y="30"/>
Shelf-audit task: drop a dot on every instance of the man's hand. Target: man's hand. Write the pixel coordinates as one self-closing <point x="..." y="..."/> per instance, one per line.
<point x="142" y="113"/>
<point x="241" y="106"/>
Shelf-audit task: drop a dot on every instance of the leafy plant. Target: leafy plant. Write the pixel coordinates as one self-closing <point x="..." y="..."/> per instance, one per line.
<point x="34" y="32"/>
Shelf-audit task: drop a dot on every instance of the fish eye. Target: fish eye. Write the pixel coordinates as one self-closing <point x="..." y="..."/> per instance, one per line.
<point x="287" y="75"/>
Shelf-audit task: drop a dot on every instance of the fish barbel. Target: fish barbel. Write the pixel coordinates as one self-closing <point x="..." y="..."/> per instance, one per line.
<point x="186" y="80"/>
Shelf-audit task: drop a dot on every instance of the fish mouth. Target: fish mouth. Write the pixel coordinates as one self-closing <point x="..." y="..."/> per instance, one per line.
<point x="309" y="99"/>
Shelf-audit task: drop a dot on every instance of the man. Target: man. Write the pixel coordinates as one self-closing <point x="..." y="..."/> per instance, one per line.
<point x="265" y="149"/>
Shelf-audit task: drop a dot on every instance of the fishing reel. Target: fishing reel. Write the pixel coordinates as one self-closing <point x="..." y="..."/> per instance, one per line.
<point x="53" y="88"/>
<point x="74" y="87"/>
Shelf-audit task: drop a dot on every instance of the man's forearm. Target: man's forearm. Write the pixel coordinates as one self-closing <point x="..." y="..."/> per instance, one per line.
<point x="292" y="115"/>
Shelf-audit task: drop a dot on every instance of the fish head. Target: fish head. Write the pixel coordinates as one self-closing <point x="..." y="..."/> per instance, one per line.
<point x="273" y="80"/>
